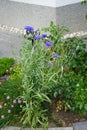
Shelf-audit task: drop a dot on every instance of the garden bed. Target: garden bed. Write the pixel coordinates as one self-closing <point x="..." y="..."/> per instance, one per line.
<point x="65" y="119"/>
<point x="47" y="85"/>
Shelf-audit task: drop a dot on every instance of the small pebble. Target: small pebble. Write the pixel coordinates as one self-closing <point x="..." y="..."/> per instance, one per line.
<point x="21" y="31"/>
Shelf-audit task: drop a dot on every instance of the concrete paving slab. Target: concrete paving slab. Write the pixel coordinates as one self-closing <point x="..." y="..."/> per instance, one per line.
<point x="80" y="125"/>
<point x="17" y="128"/>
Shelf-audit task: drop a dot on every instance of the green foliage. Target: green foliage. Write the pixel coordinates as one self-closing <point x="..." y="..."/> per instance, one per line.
<point x="84" y="2"/>
<point x="10" y="92"/>
<point x="52" y="67"/>
<point x="10" y="102"/>
<point x="49" y="67"/>
<point x="72" y="81"/>
<point x="80" y="96"/>
<point x="16" y="72"/>
<point x="36" y="80"/>
<point x="5" y="64"/>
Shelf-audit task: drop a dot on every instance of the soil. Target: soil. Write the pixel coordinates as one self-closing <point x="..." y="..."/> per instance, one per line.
<point x="64" y="119"/>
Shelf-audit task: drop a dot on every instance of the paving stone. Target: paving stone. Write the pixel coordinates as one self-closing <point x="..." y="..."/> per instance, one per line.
<point x="80" y="126"/>
<point x="60" y="128"/>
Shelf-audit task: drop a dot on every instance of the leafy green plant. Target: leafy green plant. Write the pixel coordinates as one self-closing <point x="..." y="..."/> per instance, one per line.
<point x="39" y="69"/>
<point x="5" y="64"/>
<point x="80" y="96"/>
<point x="73" y="70"/>
<point x="10" y="102"/>
<point x="51" y="67"/>
<point x="84" y="2"/>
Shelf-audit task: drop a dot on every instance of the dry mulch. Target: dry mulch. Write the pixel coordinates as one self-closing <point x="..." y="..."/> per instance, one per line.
<point x="66" y="119"/>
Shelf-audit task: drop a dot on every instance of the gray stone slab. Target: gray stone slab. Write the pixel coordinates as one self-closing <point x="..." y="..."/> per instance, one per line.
<point x="60" y="128"/>
<point x="80" y="126"/>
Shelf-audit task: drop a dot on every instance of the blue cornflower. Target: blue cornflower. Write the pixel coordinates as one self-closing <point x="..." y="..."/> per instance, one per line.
<point x="29" y="28"/>
<point x="44" y="35"/>
<point x="73" y="49"/>
<point x="56" y="55"/>
<point x="48" y="44"/>
<point x="37" y="37"/>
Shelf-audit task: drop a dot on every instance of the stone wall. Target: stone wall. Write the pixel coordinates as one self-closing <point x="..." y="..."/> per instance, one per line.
<point x="19" y="14"/>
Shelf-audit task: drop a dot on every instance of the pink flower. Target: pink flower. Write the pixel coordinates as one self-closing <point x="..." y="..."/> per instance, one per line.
<point x="18" y="128"/>
<point x="2" y="116"/>
<point x="19" y="101"/>
<point x="5" y="104"/>
<point x="8" y="97"/>
<point x="12" y="106"/>
<point x="14" y="101"/>
<point x="0" y="106"/>
<point x="20" y="106"/>
<point x="9" y="111"/>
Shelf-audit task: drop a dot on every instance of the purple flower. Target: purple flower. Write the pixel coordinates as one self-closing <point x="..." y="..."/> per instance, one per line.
<point x="14" y="101"/>
<point x="19" y="101"/>
<point x="44" y="35"/>
<point x="29" y="28"/>
<point x="8" y="97"/>
<point x="37" y="37"/>
<point x="2" y="116"/>
<point x="18" y="128"/>
<point x="73" y="49"/>
<point x="9" y="111"/>
<point x="0" y="106"/>
<point x="48" y="44"/>
<point x="56" y="55"/>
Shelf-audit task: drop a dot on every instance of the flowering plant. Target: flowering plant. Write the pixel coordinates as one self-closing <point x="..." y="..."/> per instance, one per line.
<point x="9" y="110"/>
<point x="10" y="102"/>
<point x="49" y="67"/>
<point x="39" y="68"/>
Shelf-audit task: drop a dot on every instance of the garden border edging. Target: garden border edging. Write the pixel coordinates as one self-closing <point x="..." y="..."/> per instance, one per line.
<point x="56" y="128"/>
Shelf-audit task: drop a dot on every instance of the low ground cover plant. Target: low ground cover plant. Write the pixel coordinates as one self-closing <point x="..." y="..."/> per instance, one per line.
<point x="5" y="65"/>
<point x="50" y="69"/>
<point x="10" y="102"/>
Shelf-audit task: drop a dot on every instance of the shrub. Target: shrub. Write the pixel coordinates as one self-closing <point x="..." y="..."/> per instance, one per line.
<point x="10" y="102"/>
<point x="5" y="64"/>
